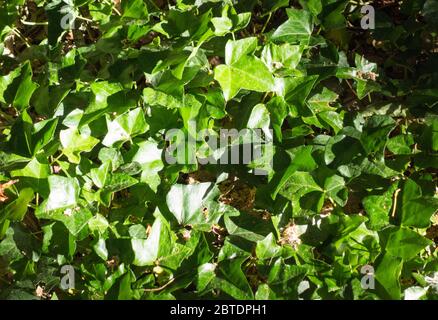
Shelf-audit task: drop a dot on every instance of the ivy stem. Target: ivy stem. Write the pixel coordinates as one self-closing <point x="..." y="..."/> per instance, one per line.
<point x="56" y="159"/>
<point x="160" y="288"/>
<point x="30" y="23"/>
<point x="267" y="22"/>
<point x="297" y="260"/>
<point x="85" y="19"/>
<point x="18" y="34"/>
<point x="155" y="5"/>
<point x="351" y="88"/>
<point x="114" y="8"/>
<point x="394" y="207"/>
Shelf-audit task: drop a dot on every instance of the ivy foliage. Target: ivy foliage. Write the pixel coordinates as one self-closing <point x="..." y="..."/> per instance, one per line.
<point x="88" y="90"/>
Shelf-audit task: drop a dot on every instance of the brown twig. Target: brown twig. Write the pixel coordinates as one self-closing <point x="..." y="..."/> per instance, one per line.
<point x="160" y="288"/>
<point x="394" y="207"/>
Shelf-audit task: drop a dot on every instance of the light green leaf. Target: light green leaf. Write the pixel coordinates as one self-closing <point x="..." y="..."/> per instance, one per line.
<point x="248" y="73"/>
<point x="158" y="244"/>
<point x="125" y="127"/>
<point x="74" y="142"/>
<point x="191" y="204"/>
<point x="297" y="28"/>
<point x="405" y="243"/>
<point x="243" y="70"/>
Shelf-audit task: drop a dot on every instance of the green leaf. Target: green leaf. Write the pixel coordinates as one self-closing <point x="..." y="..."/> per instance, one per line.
<point x="314" y="6"/>
<point x="378" y="208"/>
<point x="297" y="90"/>
<point x="100" y="248"/>
<point x="267" y="248"/>
<point x="322" y="101"/>
<point x="222" y="25"/>
<point x="300" y="183"/>
<point x="16" y="209"/>
<point x="64" y="193"/>
<point x="235" y="50"/>
<point x="159" y="244"/>
<point x="401" y="144"/>
<point x="278" y="110"/>
<point x="125" y="127"/>
<point x="388" y="275"/>
<point x="135" y="9"/>
<point x="281" y="56"/>
<point x="206" y="274"/>
<point x="334" y="188"/>
<point x="284" y="278"/>
<point x="248" y="73"/>
<point x="34" y="175"/>
<point x="416" y="210"/>
<point x="75" y="142"/>
<point x="300" y="160"/>
<point x="192" y="204"/>
<point x="264" y="293"/>
<point x="17" y="88"/>
<point x="297" y="28"/>
<point x="157" y="98"/>
<point x="405" y="243"/>
<point x="148" y="155"/>
<point x="242" y="70"/>
<point x="376" y="131"/>
<point x="231" y="279"/>
<point x="21" y="135"/>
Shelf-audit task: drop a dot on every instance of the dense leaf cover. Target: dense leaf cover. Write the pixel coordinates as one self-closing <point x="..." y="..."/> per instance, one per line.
<point x="84" y="182"/>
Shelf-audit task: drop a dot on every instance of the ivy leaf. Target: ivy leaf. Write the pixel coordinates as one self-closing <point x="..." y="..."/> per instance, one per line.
<point x="401" y="144"/>
<point x="125" y="127"/>
<point x="405" y="243"/>
<point x="297" y="90"/>
<point x="64" y="193"/>
<point x="148" y="155"/>
<point x="17" y="88"/>
<point x="267" y="248"/>
<point x="378" y="208"/>
<point x="154" y="97"/>
<point x="248" y="73"/>
<point x="192" y="204"/>
<point x="135" y="9"/>
<point x="63" y="204"/>
<point x="297" y="28"/>
<point x="416" y="210"/>
<point x="281" y="56"/>
<point x="243" y="71"/>
<point x="334" y="187"/>
<point x="388" y="274"/>
<point x="158" y="244"/>
<point x="375" y="132"/>
<point x="222" y="25"/>
<point x="74" y="143"/>
<point x="16" y="209"/>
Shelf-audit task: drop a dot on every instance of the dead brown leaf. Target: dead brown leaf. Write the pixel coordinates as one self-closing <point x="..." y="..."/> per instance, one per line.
<point x="3" y="187"/>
